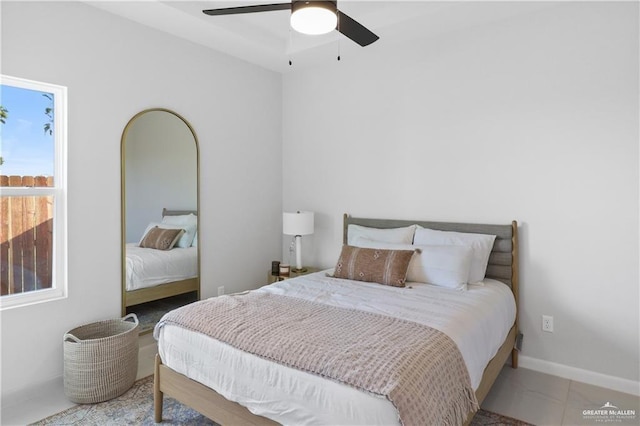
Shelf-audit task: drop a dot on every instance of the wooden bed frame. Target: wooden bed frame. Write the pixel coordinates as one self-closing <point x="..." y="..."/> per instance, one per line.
<point x="503" y="266"/>
<point x="161" y="291"/>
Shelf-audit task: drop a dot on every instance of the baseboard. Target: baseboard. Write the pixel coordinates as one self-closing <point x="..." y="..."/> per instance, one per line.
<point x="579" y="375"/>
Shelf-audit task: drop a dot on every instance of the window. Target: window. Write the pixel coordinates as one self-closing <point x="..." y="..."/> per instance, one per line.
<point x="33" y="192"/>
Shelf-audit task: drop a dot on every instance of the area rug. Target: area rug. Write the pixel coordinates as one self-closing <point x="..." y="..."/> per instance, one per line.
<point x="135" y="407"/>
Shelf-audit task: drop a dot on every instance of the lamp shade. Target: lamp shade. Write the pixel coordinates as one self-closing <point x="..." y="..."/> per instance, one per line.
<point x="299" y="223"/>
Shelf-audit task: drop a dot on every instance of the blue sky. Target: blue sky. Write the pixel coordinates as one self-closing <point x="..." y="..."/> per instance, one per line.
<point x="24" y="146"/>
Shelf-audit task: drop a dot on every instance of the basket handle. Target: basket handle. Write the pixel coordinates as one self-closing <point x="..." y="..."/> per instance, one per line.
<point x="69" y="336"/>
<point x="131" y="316"/>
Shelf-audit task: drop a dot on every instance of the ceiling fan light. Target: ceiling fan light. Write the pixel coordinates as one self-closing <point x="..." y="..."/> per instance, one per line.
<point x="314" y="20"/>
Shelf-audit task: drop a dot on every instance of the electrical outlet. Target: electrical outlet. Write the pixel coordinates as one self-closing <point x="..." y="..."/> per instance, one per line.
<point x="547" y="323"/>
<point x="220" y="290"/>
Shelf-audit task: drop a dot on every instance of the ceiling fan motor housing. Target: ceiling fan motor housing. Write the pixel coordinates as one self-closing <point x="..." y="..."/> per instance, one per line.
<point x="326" y="4"/>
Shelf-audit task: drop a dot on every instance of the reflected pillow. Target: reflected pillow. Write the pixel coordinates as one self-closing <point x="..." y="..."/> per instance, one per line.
<point x="182" y="219"/>
<point x="444" y="266"/>
<point x="185" y="220"/>
<point x="185" y="240"/>
<point x="388" y="267"/>
<point x="480" y="244"/>
<point x="161" y="238"/>
<point x="390" y="235"/>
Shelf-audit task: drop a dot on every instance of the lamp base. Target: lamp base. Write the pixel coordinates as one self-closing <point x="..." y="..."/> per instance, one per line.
<point x="298" y="271"/>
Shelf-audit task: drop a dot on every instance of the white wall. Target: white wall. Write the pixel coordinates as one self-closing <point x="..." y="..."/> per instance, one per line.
<point x="114" y="68"/>
<point x="534" y="118"/>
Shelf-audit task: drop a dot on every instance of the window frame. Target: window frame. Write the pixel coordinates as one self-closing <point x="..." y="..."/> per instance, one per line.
<point x="59" y="287"/>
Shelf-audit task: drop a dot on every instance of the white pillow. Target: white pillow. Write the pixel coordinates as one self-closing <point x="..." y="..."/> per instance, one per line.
<point x="184" y="219"/>
<point x="480" y="244"/>
<point x="184" y="241"/>
<point x="391" y="235"/>
<point x="181" y="219"/>
<point x="444" y="266"/>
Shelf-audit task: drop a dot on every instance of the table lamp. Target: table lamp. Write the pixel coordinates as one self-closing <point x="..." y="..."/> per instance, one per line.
<point x="297" y="224"/>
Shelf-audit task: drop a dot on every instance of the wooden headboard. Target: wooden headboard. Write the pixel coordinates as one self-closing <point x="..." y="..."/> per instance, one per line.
<point x="503" y="261"/>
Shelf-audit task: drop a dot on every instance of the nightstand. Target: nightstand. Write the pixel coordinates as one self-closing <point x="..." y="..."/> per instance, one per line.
<point x="271" y="279"/>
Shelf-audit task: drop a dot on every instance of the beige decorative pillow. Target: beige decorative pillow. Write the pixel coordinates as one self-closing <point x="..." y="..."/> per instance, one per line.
<point x="161" y="238"/>
<point x="388" y="267"/>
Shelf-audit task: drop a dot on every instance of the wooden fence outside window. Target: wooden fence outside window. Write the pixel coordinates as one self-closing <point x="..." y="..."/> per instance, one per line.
<point x="26" y="237"/>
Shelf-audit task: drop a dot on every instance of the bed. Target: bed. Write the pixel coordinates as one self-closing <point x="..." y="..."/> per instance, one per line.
<point x="151" y="275"/>
<point x="502" y="268"/>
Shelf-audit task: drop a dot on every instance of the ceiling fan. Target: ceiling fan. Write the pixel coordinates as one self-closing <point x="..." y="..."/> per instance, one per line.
<point x="310" y="17"/>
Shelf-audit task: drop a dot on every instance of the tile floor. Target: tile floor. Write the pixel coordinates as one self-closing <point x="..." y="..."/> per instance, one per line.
<point x="537" y="398"/>
<point x="543" y="399"/>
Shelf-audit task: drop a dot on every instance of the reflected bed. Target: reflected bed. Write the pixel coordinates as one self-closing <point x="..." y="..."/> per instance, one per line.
<point x="156" y="274"/>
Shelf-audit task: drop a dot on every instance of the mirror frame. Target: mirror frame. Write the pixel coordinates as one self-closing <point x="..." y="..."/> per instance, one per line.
<point x="123" y="207"/>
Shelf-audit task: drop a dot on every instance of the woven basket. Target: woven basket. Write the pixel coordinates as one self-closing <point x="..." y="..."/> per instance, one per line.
<point x="100" y="360"/>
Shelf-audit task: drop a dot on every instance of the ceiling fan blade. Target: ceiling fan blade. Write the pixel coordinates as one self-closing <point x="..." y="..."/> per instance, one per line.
<point x="354" y="30"/>
<point x="248" y="9"/>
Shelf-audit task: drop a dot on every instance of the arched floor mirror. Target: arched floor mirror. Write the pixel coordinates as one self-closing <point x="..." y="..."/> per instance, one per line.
<point x="160" y="220"/>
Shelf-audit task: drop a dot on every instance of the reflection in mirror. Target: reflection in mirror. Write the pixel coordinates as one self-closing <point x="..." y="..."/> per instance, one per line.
<point x="159" y="215"/>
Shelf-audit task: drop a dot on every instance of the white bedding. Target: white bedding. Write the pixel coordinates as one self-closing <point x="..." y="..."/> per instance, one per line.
<point x="478" y="320"/>
<point x="148" y="267"/>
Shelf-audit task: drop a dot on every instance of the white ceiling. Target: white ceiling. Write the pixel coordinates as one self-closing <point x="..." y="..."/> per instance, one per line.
<point x="265" y="38"/>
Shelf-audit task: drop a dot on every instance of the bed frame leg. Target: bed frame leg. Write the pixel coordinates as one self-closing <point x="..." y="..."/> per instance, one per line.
<point x="514" y="358"/>
<point x="157" y="394"/>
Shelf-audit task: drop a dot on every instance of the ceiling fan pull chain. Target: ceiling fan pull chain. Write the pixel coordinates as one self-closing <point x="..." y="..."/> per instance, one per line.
<point x="338" y="28"/>
<point x="290" y="46"/>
